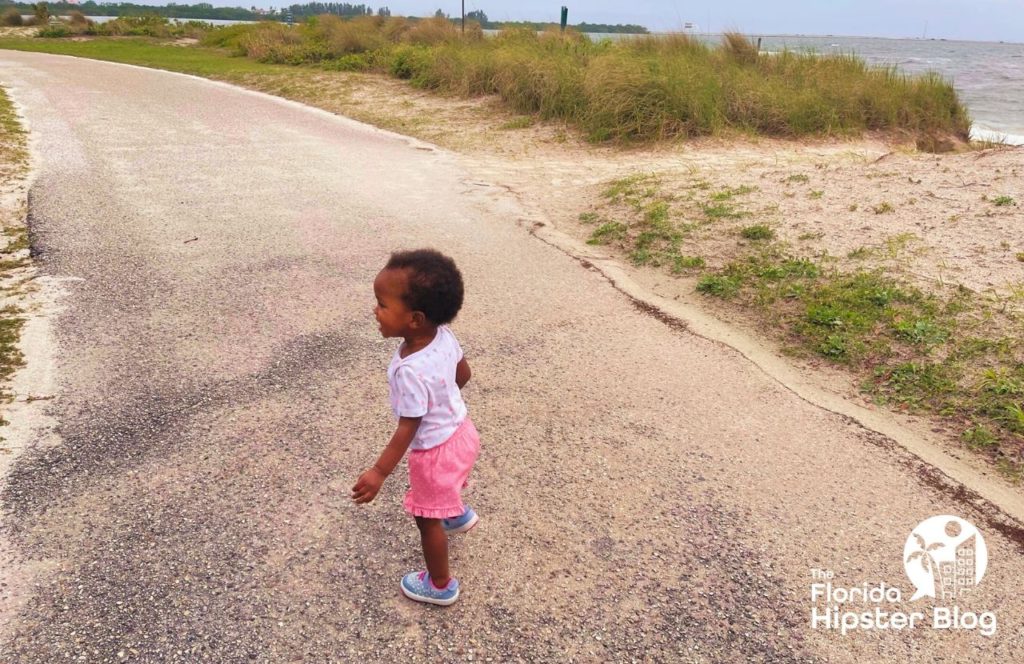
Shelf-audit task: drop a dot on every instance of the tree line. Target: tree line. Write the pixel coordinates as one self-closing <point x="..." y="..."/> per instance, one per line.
<point x="205" y="10"/>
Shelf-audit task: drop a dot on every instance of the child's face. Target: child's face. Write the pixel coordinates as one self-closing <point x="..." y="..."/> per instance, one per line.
<point x="393" y="315"/>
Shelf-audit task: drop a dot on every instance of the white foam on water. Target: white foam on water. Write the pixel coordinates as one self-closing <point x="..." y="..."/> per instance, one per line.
<point x="982" y="134"/>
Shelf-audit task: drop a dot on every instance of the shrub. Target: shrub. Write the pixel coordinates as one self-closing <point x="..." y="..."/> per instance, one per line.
<point x="271" y="42"/>
<point x="431" y="31"/>
<point x="78" y="20"/>
<point x="343" y="37"/>
<point x="230" y="36"/>
<point x="12" y="17"/>
<point x="737" y="47"/>
<point x="407" y="62"/>
<point x="41" y="11"/>
<point x="54" y="31"/>
<point x="137" y="26"/>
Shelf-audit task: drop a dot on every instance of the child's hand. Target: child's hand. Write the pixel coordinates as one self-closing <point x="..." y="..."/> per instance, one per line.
<point x="367" y="486"/>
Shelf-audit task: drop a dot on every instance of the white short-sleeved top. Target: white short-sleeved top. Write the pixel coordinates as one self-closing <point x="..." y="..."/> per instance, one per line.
<point x="423" y="385"/>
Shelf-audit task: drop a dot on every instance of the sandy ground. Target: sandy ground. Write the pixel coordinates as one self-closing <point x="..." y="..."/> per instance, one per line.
<point x="865" y="203"/>
<point x="647" y="493"/>
<point x="930" y="218"/>
<point x="822" y="197"/>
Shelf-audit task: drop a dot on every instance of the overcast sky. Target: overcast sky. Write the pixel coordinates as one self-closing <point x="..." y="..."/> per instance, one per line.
<point x="986" y="20"/>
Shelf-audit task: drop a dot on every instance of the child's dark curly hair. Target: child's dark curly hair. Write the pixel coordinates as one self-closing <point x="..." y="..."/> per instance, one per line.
<point x="435" y="284"/>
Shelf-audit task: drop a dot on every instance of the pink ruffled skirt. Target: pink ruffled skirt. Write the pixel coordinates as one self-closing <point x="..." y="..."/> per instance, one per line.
<point x="438" y="475"/>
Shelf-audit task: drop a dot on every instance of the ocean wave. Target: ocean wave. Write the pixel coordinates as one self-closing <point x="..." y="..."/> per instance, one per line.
<point x="983" y="134"/>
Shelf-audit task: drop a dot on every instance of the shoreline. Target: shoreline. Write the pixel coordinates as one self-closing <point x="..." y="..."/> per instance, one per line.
<point x="984" y="134"/>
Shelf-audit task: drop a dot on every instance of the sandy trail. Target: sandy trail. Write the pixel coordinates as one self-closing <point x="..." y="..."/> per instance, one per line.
<point x="646" y="494"/>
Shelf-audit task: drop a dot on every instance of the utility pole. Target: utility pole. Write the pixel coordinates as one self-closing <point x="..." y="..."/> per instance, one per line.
<point x="565" y="17"/>
<point x="463" y="17"/>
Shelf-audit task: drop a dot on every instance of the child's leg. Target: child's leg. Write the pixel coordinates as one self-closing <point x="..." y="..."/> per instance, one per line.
<point x="435" y="549"/>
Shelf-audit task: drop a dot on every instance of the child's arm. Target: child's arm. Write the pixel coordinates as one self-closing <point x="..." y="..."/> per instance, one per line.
<point x="462" y="373"/>
<point x="370" y="481"/>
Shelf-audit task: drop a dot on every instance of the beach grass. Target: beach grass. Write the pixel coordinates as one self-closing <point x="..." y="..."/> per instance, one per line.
<point x="634" y="90"/>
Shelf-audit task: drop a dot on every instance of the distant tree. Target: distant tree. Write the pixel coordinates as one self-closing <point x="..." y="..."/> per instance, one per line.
<point x="479" y="16"/>
<point x="336" y="8"/>
<point x="440" y="14"/>
<point x="41" y="11"/>
<point x="383" y="11"/>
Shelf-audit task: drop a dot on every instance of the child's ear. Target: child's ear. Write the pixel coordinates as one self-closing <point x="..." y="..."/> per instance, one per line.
<point x="419" y="319"/>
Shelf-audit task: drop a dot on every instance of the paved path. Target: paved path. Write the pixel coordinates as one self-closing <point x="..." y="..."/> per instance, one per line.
<point x="645" y="494"/>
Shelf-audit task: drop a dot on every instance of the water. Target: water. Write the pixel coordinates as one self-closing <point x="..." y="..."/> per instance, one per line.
<point x="989" y="76"/>
<point x="213" y="21"/>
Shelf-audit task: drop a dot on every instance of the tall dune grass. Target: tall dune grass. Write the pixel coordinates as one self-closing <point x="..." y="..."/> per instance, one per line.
<point x="640" y="89"/>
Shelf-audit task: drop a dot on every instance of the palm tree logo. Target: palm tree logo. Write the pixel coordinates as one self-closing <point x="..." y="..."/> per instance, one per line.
<point x="952" y="565"/>
<point x="923" y="553"/>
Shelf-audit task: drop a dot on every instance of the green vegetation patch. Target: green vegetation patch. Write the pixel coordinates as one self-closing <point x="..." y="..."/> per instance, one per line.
<point x="13" y="150"/>
<point x="757" y="232"/>
<point x="145" y="52"/>
<point x="607" y="232"/>
<point x="635" y="89"/>
<point x="913" y="350"/>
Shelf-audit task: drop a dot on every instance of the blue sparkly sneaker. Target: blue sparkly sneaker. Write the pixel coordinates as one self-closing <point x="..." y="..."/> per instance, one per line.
<point x="418" y="586"/>
<point x="461" y="524"/>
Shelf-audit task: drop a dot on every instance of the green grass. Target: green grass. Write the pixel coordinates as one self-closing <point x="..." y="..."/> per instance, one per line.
<point x="607" y="232"/>
<point x="206" y="62"/>
<point x="1002" y="201"/>
<point x="640" y="89"/>
<point x="727" y="194"/>
<point x="757" y="232"/>
<point x="721" y="211"/>
<point x="13" y="151"/>
<point x="521" y="122"/>
<point x="11" y="359"/>
<point x="980" y="437"/>
<point x="721" y="285"/>
<point x="682" y="263"/>
<point x="913" y="350"/>
<point x="633" y="190"/>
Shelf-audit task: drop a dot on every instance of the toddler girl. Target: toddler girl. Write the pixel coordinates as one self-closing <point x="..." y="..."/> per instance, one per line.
<point x="418" y="294"/>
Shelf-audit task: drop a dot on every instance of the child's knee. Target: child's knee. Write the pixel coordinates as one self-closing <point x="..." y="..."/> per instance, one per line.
<point x="425" y="524"/>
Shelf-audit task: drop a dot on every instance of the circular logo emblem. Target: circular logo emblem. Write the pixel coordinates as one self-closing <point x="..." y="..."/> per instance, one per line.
<point x="945" y="558"/>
